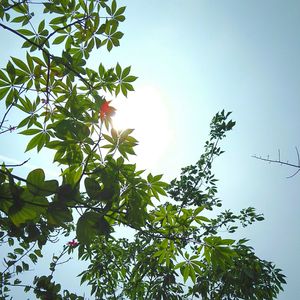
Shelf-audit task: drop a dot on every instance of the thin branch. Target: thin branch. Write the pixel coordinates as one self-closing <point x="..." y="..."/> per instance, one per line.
<point x="6" y="113"/>
<point x="14" y="5"/>
<point x="55" y="259"/>
<point x="293" y="174"/>
<point x="8" y="110"/>
<point x="298" y="155"/>
<point x="276" y="161"/>
<point x="87" y="160"/>
<point x="64" y="27"/>
<point x="46" y="52"/>
<point x="23" y="255"/>
<point x="10" y="129"/>
<point x="22" y="36"/>
<point x="281" y="162"/>
<point x="48" y="79"/>
<point x="16" y="165"/>
<point x="24" y="1"/>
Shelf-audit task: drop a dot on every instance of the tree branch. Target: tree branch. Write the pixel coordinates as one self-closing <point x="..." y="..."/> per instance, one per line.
<point x="64" y="27"/>
<point x="17" y="165"/>
<point x="46" y="52"/>
<point x="281" y="162"/>
<point x="14" y="5"/>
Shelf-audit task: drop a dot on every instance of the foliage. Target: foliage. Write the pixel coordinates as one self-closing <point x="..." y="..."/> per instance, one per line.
<point x="176" y="252"/>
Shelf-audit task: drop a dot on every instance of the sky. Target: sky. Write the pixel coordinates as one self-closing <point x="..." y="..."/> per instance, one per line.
<point x="194" y="58"/>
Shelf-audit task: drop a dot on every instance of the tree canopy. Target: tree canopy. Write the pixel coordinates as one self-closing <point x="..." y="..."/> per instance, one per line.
<point x="177" y="250"/>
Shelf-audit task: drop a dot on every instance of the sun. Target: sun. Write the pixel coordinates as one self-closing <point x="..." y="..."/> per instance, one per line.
<point x="146" y="112"/>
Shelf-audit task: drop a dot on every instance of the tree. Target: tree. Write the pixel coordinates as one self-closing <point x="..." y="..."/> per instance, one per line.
<point x="177" y="252"/>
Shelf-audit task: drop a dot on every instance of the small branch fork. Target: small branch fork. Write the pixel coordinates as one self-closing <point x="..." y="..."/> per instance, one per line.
<point x="281" y="162"/>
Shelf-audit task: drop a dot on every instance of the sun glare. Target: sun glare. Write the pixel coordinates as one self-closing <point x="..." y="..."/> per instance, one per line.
<point x="145" y="112"/>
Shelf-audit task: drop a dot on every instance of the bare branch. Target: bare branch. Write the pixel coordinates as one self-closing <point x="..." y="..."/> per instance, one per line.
<point x="293" y="174"/>
<point x="281" y="162"/>
<point x="10" y="129"/>
<point x="17" y="165"/>
<point x="298" y="155"/>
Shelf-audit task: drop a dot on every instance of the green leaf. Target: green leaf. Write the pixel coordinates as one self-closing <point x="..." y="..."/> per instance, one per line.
<point x="67" y="194"/>
<point x="49" y="187"/>
<point x="38" y="186"/>
<point x="35" y="179"/>
<point x="3" y="92"/>
<point x="130" y="79"/>
<point x="186" y="272"/>
<point x="30" y="131"/>
<point x="11" y="71"/>
<point x="58" y="214"/>
<point x="126" y="72"/>
<point x="25" y="266"/>
<point x="89" y="225"/>
<point x="25" y="32"/>
<point x="226" y="242"/>
<point x="41" y="26"/>
<point x="21" y="213"/>
<point x="20" y="63"/>
<point x="59" y="39"/>
<point x="19" y="269"/>
<point x="192" y="274"/>
<point x="34" y="141"/>
<point x="33" y="258"/>
<point x="71" y="129"/>
<point x="118" y="70"/>
<point x="92" y="187"/>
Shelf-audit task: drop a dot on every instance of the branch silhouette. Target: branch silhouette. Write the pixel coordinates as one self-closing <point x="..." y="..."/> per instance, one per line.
<point x="281" y="162"/>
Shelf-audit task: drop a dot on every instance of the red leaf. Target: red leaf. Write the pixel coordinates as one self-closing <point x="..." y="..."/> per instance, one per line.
<point x="106" y="110"/>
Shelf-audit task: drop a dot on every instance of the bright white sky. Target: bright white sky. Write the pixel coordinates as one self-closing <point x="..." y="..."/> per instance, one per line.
<point x="194" y="58"/>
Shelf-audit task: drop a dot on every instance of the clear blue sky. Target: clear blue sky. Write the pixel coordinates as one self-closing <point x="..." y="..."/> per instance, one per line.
<point x="201" y="57"/>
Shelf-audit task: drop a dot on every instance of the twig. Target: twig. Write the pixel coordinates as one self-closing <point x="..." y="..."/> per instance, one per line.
<point x="17" y="165"/>
<point x="55" y="260"/>
<point x="87" y="160"/>
<point x="285" y="163"/>
<point x="64" y="27"/>
<point x="48" y="79"/>
<point x="46" y="52"/>
<point x="8" y="109"/>
<point x="14" y="5"/>
<point x="23" y="255"/>
<point x="10" y="129"/>
<point x="6" y="113"/>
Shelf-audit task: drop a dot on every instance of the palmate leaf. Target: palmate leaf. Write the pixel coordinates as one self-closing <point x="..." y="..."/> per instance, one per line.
<point x="38" y="141"/>
<point x="124" y="80"/>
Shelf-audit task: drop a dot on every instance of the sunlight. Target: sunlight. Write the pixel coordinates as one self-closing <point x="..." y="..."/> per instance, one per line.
<point x="145" y="111"/>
